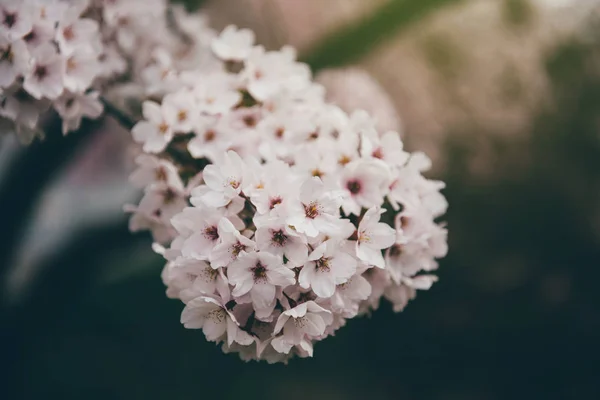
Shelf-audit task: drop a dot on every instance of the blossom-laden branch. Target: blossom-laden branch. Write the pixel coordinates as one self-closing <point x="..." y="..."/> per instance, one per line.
<point x="265" y="200"/>
<point x="275" y="237"/>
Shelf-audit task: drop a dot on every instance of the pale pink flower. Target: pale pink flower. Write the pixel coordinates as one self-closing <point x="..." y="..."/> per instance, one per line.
<point x="259" y="273"/>
<point x="233" y="44"/>
<point x="372" y="237"/>
<point x="277" y="238"/>
<point x="317" y="209"/>
<point x="232" y="245"/>
<point x="217" y="323"/>
<point x="328" y="265"/>
<point x="300" y="324"/>
<point x="154" y="132"/>
<point x="44" y="77"/>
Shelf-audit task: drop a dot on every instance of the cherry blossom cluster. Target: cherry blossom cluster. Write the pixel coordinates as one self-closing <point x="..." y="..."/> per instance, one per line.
<point x="64" y="54"/>
<point x="280" y="215"/>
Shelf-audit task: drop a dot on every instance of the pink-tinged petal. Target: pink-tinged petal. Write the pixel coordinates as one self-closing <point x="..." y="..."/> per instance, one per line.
<point x="242" y="286"/>
<point x="213" y="178"/>
<point x="296" y="252"/>
<point x="281" y="345"/>
<point x="281" y="276"/>
<point x="214" y="328"/>
<point x="423" y="282"/>
<point x="370" y="255"/>
<point x="283" y="318"/>
<point x="152" y="112"/>
<point x="318" y="252"/>
<point x="307" y="347"/>
<point x="315" y="325"/>
<point x="306" y="275"/>
<point x="382" y="236"/>
<point x="262" y="294"/>
<point x="323" y="284"/>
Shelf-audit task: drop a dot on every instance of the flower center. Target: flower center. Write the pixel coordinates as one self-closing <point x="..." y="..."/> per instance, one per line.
<point x="250" y="121"/>
<point x="395" y="250"/>
<point x="279" y="133"/>
<point x="234" y="183"/>
<point x="182" y="115"/>
<point x="217" y="315"/>
<point x="7" y="54"/>
<point x="211" y="233"/>
<point x="378" y="153"/>
<point x="322" y="264"/>
<point x="274" y="202"/>
<point x="354" y="186"/>
<point x="68" y="33"/>
<point x="40" y="72"/>
<point x="163" y="128"/>
<point x="169" y="196"/>
<point x="31" y="36"/>
<point x="71" y="64"/>
<point x="209" y="135"/>
<point x="237" y="248"/>
<point x="160" y="174"/>
<point x="279" y="238"/>
<point x="10" y="19"/>
<point x="311" y="210"/>
<point x="317" y="172"/>
<point x="259" y="271"/>
<point x="344" y="159"/>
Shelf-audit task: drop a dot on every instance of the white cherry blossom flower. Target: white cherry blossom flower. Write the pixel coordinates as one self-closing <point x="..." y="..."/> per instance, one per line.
<point x="15" y="19"/>
<point x="327" y="267"/>
<point x="232" y="245"/>
<point x="372" y="237"/>
<point x="317" y="209"/>
<point x="217" y="323"/>
<point x="225" y="182"/>
<point x="259" y="273"/>
<point x="277" y="238"/>
<point x="154" y="131"/>
<point x="44" y="77"/>
<point x="300" y="324"/>
<point x="233" y="44"/>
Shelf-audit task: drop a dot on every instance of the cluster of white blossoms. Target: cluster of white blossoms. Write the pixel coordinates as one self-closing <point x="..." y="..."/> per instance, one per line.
<point x="64" y="54"/>
<point x="280" y="215"/>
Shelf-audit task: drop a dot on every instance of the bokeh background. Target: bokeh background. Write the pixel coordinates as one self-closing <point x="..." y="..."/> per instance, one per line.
<point x="503" y="94"/>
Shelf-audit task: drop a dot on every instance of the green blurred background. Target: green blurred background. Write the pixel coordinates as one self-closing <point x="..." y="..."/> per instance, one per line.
<point x="505" y="96"/>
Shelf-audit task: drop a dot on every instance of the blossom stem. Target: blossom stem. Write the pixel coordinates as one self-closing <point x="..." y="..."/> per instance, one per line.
<point x="28" y="177"/>
<point x="122" y="118"/>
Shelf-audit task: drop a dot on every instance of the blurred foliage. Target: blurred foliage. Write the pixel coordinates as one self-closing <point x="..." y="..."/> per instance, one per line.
<point x="517" y="13"/>
<point x="352" y="43"/>
<point x="513" y="316"/>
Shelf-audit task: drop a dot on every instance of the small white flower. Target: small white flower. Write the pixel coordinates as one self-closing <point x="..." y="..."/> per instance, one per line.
<point x="365" y="183"/>
<point x="72" y="107"/>
<point x="317" y="210"/>
<point x="180" y="111"/>
<point x="305" y="321"/>
<point x="259" y="273"/>
<point x="217" y="323"/>
<point x="233" y="44"/>
<point x="152" y="169"/>
<point x="373" y="236"/>
<point x="15" y="19"/>
<point x="154" y="131"/>
<point x="45" y="75"/>
<point x="81" y="68"/>
<point x="277" y="238"/>
<point x="327" y="267"/>
<point x="232" y="245"/>
<point x="14" y="59"/>
<point x="225" y="182"/>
